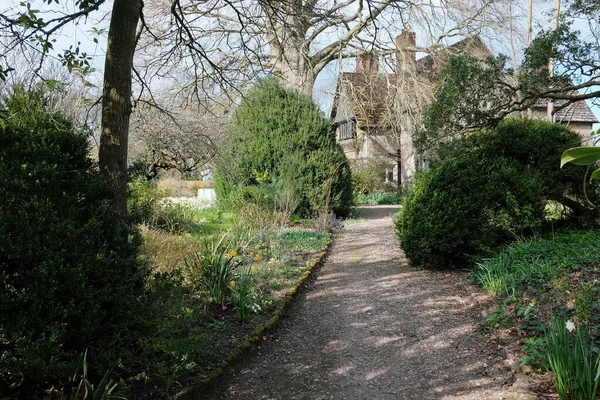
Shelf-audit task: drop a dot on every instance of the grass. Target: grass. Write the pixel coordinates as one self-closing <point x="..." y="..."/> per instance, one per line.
<point x="167" y="251"/>
<point x="211" y="220"/>
<point x="537" y="261"/>
<point x="307" y="241"/>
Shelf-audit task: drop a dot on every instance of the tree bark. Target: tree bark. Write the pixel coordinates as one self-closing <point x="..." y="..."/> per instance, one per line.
<point x="293" y="69"/>
<point x="116" y="99"/>
<point x="290" y="50"/>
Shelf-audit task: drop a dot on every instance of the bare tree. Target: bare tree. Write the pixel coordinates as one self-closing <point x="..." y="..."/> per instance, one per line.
<point x="296" y="40"/>
<point x="197" y="46"/>
<point x="185" y="141"/>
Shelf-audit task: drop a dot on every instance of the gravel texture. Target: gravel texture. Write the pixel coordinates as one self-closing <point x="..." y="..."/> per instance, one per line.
<point x="370" y="327"/>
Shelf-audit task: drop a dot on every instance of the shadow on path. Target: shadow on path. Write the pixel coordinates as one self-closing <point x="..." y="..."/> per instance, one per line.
<point x="370" y="327"/>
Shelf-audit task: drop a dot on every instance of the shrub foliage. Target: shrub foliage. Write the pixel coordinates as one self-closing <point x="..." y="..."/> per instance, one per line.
<point x="69" y="274"/>
<point x="369" y="177"/>
<point x="279" y="139"/>
<point x="486" y="188"/>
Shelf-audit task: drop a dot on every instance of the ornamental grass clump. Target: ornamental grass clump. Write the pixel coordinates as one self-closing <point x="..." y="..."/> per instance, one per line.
<point x="212" y="269"/>
<point x="573" y="360"/>
<point x="243" y="293"/>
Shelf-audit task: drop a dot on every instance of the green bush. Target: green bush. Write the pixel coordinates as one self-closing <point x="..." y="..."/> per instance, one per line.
<point x="143" y="199"/>
<point x="485" y="189"/>
<point x="69" y="273"/>
<point x="369" y="177"/>
<point x="278" y="136"/>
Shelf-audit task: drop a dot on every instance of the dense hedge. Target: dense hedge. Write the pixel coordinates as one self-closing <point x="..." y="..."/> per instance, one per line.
<point x="278" y="137"/>
<point x="485" y="189"/>
<point x="69" y="273"/>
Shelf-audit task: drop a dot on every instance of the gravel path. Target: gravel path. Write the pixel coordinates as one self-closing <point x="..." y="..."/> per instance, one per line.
<point x="370" y="327"/>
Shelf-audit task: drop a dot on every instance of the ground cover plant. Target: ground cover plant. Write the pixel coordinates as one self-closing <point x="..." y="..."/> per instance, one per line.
<point x="546" y="291"/>
<point x="487" y="189"/>
<point x="217" y="280"/>
<point x="229" y="284"/>
<point x="537" y="261"/>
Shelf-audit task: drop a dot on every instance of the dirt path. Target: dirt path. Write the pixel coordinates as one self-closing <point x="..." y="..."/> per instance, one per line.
<point x="372" y="328"/>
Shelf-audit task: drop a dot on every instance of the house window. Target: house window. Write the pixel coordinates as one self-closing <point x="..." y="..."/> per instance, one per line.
<point x="347" y="129"/>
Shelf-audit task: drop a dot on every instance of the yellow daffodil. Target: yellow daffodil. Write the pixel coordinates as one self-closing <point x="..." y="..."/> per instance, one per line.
<point x="254" y="266"/>
<point x="231" y="255"/>
<point x="232" y="283"/>
<point x="257" y="258"/>
<point x="251" y="254"/>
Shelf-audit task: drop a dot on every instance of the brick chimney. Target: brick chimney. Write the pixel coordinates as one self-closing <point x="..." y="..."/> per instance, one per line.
<point x="406" y="61"/>
<point x="367" y="63"/>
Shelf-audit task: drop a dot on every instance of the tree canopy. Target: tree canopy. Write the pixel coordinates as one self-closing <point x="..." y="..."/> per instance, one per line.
<point x="561" y="66"/>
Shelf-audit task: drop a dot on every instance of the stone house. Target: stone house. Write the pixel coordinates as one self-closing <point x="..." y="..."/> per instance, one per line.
<point x="368" y="101"/>
<point x="577" y="116"/>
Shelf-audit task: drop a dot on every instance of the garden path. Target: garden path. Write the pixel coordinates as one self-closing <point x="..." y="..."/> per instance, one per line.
<point x="370" y="327"/>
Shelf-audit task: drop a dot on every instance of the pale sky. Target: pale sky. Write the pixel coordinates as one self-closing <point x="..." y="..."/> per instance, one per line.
<point x="326" y="81"/>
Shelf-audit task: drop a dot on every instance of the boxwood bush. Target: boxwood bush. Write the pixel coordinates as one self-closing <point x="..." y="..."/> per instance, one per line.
<point x="280" y="137"/>
<point x="69" y="272"/>
<point x="488" y="188"/>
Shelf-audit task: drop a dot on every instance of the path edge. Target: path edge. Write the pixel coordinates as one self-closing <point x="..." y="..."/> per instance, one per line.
<point x="196" y="391"/>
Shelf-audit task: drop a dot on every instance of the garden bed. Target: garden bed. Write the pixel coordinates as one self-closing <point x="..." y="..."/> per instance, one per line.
<point x="201" y="336"/>
<point x="541" y="287"/>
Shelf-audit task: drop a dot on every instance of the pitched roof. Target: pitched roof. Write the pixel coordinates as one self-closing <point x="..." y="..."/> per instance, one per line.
<point x="578" y="111"/>
<point x="370" y="96"/>
<point x="471" y="45"/>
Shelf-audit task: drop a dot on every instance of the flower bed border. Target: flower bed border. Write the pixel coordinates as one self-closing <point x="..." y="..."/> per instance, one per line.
<point x="196" y="391"/>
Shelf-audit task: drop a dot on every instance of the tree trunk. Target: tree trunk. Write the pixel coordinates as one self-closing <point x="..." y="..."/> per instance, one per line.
<point x="116" y="98"/>
<point x="291" y="64"/>
<point x="290" y="59"/>
<point x="530" y="39"/>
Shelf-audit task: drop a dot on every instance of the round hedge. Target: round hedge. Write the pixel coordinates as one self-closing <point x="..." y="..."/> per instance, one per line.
<point x="279" y="135"/>
<point x="486" y="189"/>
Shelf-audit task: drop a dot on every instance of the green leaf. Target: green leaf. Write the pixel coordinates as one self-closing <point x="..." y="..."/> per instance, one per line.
<point x="595" y="175"/>
<point x="584" y="155"/>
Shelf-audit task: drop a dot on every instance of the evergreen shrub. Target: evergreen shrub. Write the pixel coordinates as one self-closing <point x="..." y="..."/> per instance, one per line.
<point x="279" y="137"/>
<point x="69" y="272"/>
<point x="485" y="189"/>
